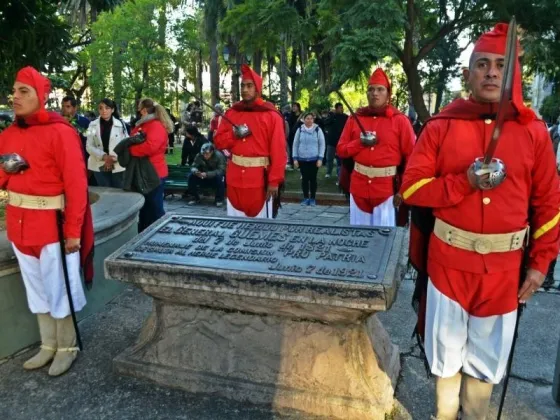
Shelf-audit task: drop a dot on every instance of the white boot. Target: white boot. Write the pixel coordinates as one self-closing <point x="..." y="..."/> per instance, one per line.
<point x="475" y="398"/>
<point x="47" y="330"/>
<point x="66" y="352"/>
<point x="447" y="397"/>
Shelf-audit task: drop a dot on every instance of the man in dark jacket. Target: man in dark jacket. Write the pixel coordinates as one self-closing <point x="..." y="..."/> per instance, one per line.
<point x="191" y="147"/>
<point x="208" y="170"/>
<point x="334" y="126"/>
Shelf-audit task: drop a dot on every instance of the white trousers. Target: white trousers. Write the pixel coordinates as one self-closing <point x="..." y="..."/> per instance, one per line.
<point x="232" y="211"/>
<point x="383" y="214"/>
<point x="44" y="281"/>
<point x="455" y="340"/>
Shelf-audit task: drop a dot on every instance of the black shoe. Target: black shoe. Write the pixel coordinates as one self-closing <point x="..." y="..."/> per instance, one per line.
<point x="548" y="283"/>
<point x="194" y="202"/>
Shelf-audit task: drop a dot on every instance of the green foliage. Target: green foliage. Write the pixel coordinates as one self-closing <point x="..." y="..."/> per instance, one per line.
<point x="359" y="34"/>
<point x="33" y="34"/>
<point x="550" y="109"/>
<point x="129" y="34"/>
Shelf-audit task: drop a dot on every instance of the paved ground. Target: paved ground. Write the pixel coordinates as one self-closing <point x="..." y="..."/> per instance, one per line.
<point x="92" y="391"/>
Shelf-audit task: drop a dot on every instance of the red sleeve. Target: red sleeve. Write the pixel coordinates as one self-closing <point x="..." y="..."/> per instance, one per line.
<point x="277" y="150"/>
<point x="223" y="139"/>
<point x="156" y="136"/>
<point x="70" y="159"/>
<point x="420" y="185"/>
<point x="545" y="204"/>
<point x="407" y="139"/>
<point x="349" y="144"/>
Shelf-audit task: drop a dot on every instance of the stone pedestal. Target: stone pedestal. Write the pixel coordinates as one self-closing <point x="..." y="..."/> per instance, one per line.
<point x="288" y="341"/>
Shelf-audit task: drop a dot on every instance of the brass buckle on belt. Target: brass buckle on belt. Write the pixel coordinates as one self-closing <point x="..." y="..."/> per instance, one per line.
<point x="483" y="246"/>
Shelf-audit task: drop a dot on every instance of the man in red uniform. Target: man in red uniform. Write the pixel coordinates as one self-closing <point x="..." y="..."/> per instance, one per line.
<point x="372" y="183"/>
<point x="256" y="168"/>
<point x="475" y="248"/>
<point x="55" y="180"/>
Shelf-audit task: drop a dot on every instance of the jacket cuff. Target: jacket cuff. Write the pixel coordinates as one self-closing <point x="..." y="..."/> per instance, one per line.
<point x="463" y="185"/>
<point x="540" y="264"/>
<point x="72" y="231"/>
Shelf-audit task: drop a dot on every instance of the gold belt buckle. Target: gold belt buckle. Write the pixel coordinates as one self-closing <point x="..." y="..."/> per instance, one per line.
<point x="16" y="199"/>
<point x="483" y="246"/>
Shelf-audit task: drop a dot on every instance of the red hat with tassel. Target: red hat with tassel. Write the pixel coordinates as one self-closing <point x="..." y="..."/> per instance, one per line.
<point x="42" y="85"/>
<point x="379" y="77"/>
<point x="247" y="73"/>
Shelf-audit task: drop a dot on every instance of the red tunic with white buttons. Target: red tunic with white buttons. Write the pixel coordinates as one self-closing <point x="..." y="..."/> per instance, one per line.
<point x="56" y="166"/>
<point x="395" y="138"/>
<point x="246" y="186"/>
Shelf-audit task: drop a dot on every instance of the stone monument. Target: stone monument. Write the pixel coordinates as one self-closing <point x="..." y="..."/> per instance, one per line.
<point x="268" y="312"/>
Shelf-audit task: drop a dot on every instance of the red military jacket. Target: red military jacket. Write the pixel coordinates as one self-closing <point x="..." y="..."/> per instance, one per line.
<point x="395" y="143"/>
<point x="56" y="166"/>
<point x="436" y="177"/>
<point x="266" y="140"/>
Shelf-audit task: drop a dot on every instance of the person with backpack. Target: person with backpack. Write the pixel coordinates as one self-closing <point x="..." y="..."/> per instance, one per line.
<point x="308" y="152"/>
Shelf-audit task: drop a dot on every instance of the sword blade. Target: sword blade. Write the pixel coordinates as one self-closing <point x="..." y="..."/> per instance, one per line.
<point x="343" y="99"/>
<point x="506" y="91"/>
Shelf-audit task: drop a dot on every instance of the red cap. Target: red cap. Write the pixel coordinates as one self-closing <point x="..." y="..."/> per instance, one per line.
<point x="247" y="73"/>
<point x="494" y="42"/>
<point x="379" y="77"/>
<point x="42" y="85"/>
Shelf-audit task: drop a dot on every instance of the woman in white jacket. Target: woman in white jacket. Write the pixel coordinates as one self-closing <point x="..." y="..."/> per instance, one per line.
<point x="103" y="135"/>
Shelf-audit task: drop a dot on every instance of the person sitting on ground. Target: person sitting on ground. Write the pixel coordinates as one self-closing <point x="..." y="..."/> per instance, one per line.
<point x="309" y="149"/>
<point x="193" y="142"/>
<point x="208" y="170"/>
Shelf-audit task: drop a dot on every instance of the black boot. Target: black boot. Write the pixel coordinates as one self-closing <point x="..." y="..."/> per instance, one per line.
<point x="549" y="279"/>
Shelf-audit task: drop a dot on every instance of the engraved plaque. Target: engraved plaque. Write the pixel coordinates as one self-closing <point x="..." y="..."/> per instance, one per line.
<point x="345" y="253"/>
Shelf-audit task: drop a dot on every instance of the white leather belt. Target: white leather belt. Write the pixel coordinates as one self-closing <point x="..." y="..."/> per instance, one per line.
<point x="36" y="202"/>
<point x="479" y="242"/>
<point x="371" y="172"/>
<point x="250" y="162"/>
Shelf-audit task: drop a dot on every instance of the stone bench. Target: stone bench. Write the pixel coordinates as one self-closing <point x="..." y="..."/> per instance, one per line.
<point x="267" y="312"/>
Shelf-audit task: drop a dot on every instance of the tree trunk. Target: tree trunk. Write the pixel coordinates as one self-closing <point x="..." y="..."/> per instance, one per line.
<point x="269" y="63"/>
<point x="144" y="83"/>
<point x="117" y="77"/>
<point x="293" y="73"/>
<point x="257" y="61"/>
<point x="214" y="69"/>
<point x="162" y="29"/>
<point x="95" y="95"/>
<point x="236" y="58"/>
<point x="283" y="72"/>
<point x="416" y="92"/>
<point x="440" y="89"/>
<point x="199" y="70"/>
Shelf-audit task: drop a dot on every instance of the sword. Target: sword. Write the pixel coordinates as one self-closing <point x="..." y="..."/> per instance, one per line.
<point x="505" y="98"/>
<point x="506" y="91"/>
<point x="488" y="165"/>
<point x="240" y="130"/>
<point x="367" y="137"/>
<point x="60" y="223"/>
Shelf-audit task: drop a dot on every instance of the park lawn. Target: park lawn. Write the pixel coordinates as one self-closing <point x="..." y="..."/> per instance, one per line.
<point x="293" y="182"/>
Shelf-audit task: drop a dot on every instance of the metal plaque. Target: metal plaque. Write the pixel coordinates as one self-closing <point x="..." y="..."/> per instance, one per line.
<point x="357" y="254"/>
